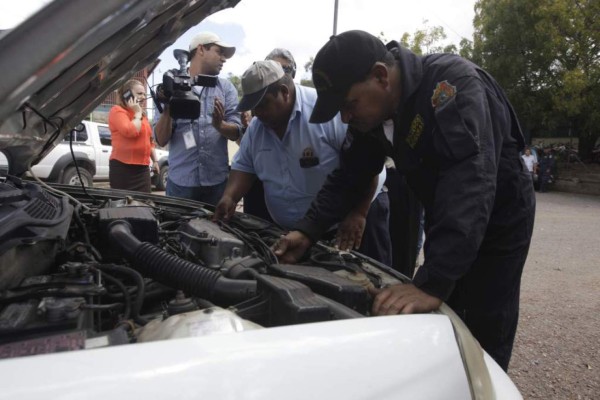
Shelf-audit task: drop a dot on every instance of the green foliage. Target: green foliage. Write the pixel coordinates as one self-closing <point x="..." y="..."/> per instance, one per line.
<point x="546" y="54"/>
<point x="308" y="69"/>
<point x="309" y="64"/>
<point x="427" y="40"/>
<point x="466" y="49"/>
<point x="237" y="82"/>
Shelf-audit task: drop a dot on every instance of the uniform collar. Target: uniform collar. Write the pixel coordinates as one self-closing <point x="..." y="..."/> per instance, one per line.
<point x="411" y="70"/>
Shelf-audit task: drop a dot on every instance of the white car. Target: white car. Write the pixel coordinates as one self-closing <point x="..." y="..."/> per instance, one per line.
<point x="89" y="161"/>
<point x="110" y="293"/>
<point x="91" y="146"/>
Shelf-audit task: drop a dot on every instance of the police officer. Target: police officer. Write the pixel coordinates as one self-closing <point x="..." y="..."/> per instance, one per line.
<point x="457" y="139"/>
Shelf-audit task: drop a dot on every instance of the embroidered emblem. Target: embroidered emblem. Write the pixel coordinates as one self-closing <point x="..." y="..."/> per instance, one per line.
<point x="416" y="129"/>
<point x="308" y="152"/>
<point x="443" y="91"/>
<point x="308" y="158"/>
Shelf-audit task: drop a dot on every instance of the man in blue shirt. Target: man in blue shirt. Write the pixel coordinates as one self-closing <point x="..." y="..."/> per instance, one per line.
<point x="198" y="157"/>
<point x="293" y="158"/>
<point x="254" y="199"/>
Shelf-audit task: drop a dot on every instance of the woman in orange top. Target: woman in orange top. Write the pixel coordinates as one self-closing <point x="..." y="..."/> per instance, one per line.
<point x="132" y="145"/>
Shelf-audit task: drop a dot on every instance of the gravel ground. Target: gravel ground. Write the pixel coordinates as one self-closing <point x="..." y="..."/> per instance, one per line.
<point x="557" y="348"/>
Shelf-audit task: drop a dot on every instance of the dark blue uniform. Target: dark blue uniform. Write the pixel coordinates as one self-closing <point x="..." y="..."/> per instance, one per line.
<point x="457" y="141"/>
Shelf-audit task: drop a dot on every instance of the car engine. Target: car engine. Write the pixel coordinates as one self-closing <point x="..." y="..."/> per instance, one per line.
<point x="83" y="269"/>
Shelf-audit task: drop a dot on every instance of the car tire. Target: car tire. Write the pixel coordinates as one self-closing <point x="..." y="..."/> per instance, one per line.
<point x="161" y="182"/>
<point x="70" y="177"/>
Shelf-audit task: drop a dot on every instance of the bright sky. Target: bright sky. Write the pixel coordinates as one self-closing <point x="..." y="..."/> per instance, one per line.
<point x="255" y="27"/>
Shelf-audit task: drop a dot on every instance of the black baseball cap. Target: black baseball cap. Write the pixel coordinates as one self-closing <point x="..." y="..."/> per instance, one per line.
<point x="346" y="59"/>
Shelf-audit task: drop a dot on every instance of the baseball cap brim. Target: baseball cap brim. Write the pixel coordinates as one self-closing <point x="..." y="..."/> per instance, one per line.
<point x="228" y="50"/>
<point x="249" y="101"/>
<point x="326" y="107"/>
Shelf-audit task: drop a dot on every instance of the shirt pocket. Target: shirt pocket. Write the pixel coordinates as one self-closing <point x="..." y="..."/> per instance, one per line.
<point x="314" y="177"/>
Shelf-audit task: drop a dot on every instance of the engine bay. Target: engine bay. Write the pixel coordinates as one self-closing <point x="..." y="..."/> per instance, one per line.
<point x="91" y="268"/>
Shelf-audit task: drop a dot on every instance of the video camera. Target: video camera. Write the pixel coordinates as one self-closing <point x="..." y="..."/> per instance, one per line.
<point x="176" y="89"/>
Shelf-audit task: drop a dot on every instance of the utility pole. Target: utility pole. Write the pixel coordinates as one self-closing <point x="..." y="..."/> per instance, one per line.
<point x="335" y="12"/>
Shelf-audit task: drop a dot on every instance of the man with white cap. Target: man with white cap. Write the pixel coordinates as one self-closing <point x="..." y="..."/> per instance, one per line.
<point x="198" y="156"/>
<point x="293" y="158"/>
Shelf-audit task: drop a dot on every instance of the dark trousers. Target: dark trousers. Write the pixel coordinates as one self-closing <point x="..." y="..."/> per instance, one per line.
<point x="376" y="242"/>
<point x="205" y="194"/>
<point x="491" y="315"/>
<point x="405" y="218"/>
<point x="487" y="296"/>
<point x="254" y="202"/>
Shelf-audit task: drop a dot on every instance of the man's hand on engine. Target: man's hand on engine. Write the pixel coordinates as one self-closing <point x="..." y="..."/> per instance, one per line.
<point x="291" y="247"/>
<point x="403" y="299"/>
<point x="350" y="232"/>
<point x="225" y="209"/>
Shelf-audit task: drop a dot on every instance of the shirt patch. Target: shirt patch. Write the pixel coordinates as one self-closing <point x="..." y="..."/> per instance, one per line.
<point x="443" y="91"/>
<point x="416" y="129"/>
<point x="308" y="158"/>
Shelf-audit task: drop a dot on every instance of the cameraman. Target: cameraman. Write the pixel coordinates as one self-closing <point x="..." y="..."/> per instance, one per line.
<point x="198" y="157"/>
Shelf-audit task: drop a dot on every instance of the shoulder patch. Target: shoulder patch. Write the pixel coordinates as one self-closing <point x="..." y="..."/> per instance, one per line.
<point x="442" y="92"/>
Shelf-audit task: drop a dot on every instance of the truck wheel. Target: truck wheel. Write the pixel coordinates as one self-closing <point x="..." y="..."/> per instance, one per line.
<point x="70" y="177"/>
<point x="161" y="183"/>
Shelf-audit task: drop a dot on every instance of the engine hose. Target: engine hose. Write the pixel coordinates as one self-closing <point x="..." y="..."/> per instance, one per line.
<point x="139" y="282"/>
<point x="126" y="297"/>
<point x="193" y="279"/>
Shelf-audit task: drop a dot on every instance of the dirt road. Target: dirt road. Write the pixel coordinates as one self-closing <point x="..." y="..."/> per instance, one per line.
<point x="557" y="349"/>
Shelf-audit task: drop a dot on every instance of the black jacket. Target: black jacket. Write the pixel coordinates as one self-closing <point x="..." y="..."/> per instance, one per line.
<point x="457" y="140"/>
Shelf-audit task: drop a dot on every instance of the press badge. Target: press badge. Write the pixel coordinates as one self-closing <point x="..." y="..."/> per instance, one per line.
<point x="189" y="140"/>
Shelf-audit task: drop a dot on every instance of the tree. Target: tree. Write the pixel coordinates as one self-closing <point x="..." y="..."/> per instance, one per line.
<point x="425" y="41"/>
<point x="308" y="69"/>
<point x="429" y="40"/>
<point x="546" y="54"/>
<point x="237" y="82"/>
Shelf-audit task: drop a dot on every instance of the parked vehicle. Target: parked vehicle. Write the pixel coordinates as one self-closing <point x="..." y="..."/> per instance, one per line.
<point x="110" y="293"/>
<point x="91" y="151"/>
<point x="92" y="146"/>
<point x="160" y="180"/>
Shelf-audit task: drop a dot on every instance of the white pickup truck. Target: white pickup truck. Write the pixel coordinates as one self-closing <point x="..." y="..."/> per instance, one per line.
<point x="92" y="148"/>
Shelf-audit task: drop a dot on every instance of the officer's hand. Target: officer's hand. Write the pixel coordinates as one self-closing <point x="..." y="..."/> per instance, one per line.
<point x="350" y="232"/>
<point x="403" y="299"/>
<point x="218" y="114"/>
<point x="246" y="117"/>
<point x="291" y="247"/>
<point x="225" y="209"/>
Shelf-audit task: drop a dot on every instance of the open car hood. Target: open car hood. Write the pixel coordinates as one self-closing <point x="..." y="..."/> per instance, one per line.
<point x="89" y="49"/>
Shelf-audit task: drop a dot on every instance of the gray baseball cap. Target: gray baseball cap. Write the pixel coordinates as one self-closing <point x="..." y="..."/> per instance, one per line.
<point x="256" y="81"/>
